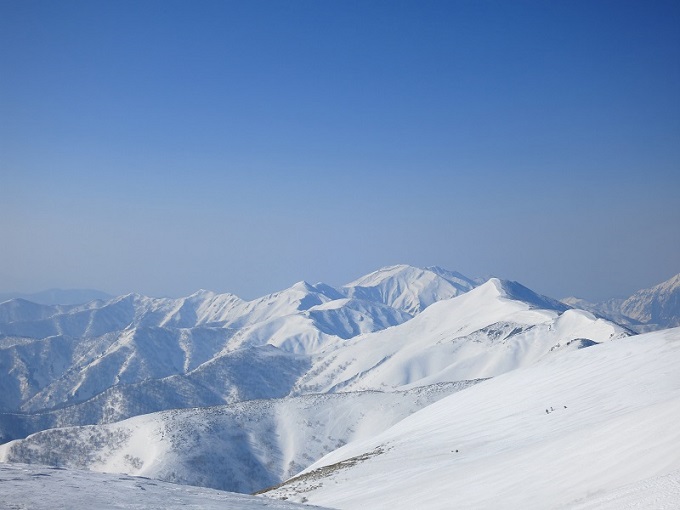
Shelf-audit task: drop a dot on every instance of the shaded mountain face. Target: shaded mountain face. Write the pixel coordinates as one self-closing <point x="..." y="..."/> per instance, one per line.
<point x="646" y="310"/>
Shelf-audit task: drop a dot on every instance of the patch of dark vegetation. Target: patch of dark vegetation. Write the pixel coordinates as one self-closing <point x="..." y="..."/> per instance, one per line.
<point x="324" y="471"/>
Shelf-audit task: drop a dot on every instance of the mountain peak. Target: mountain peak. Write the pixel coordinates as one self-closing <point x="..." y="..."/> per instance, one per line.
<point x="408" y="288"/>
<point x="514" y="290"/>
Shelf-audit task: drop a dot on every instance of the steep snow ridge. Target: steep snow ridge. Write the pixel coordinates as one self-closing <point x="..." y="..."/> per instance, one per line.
<point x="482" y="333"/>
<point x="547" y="436"/>
<point x="409" y="289"/>
<point x="517" y="291"/>
<point x="41" y="488"/>
<point x="244" y="447"/>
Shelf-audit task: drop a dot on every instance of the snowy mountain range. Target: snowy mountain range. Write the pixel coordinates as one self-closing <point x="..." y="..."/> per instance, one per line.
<point x="220" y="392"/>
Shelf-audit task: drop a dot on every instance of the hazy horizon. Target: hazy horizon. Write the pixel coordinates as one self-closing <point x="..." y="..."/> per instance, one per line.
<point x="162" y="147"/>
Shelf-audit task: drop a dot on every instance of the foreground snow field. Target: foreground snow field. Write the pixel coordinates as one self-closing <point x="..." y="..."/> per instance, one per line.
<point x="43" y="488"/>
<point x="557" y="434"/>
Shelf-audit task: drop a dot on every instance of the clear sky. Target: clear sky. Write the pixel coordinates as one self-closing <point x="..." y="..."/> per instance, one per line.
<point x="166" y="146"/>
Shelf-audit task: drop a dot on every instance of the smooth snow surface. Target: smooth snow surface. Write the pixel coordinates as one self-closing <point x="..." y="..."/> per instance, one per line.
<point x="557" y="434"/>
<point x="24" y="487"/>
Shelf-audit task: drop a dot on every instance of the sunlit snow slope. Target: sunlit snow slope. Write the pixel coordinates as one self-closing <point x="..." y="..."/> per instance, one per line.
<point x="552" y="435"/>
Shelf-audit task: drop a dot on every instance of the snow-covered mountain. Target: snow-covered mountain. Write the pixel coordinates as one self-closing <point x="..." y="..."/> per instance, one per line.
<point x="335" y="366"/>
<point x="551" y="435"/>
<point x="646" y="310"/>
<point x="107" y="361"/>
<point x="409" y="288"/>
<point x="494" y="328"/>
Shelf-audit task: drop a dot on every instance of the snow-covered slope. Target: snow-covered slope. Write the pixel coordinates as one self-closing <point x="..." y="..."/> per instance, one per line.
<point x="497" y="327"/>
<point x="551" y="435"/>
<point x="244" y="447"/>
<point x="50" y="488"/>
<point x="655" y="493"/>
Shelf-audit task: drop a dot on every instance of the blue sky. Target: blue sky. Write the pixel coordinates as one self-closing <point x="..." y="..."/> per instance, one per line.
<point x="166" y="146"/>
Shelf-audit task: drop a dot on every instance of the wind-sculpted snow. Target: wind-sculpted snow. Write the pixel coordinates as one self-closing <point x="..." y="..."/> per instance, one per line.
<point x="243" y="447"/>
<point x="587" y="428"/>
<point x="45" y="488"/>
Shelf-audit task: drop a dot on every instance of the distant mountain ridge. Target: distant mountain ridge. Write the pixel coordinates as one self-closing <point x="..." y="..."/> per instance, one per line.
<point x="58" y="296"/>
<point x="657" y="307"/>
